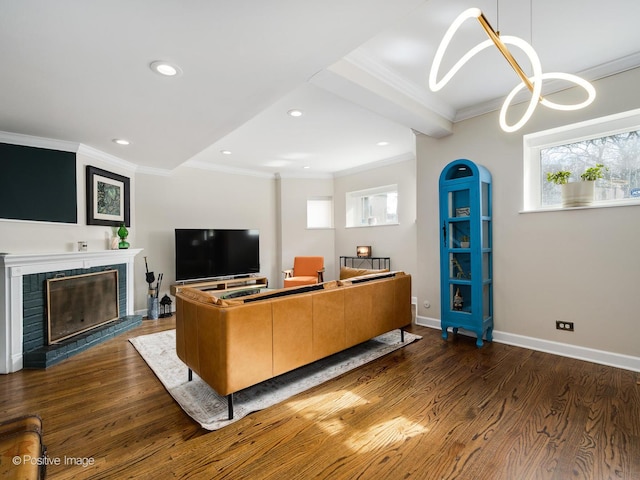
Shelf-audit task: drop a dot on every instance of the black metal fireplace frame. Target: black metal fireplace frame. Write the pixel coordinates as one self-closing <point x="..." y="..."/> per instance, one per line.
<point x="109" y="311"/>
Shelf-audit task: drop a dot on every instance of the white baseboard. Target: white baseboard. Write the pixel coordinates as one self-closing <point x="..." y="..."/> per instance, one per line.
<point x="601" y="357"/>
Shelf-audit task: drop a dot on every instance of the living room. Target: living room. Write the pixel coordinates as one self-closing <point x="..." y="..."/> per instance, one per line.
<point x="568" y="265"/>
<point x="550" y="281"/>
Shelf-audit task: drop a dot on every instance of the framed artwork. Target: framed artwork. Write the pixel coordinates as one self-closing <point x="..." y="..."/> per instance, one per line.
<point x="107" y="198"/>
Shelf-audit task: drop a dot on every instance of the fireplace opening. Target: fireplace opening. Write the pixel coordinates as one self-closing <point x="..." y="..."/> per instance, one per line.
<point x="80" y="303"/>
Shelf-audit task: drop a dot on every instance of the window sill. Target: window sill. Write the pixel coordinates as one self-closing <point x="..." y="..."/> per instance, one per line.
<point x="627" y="203"/>
<point x="372" y="226"/>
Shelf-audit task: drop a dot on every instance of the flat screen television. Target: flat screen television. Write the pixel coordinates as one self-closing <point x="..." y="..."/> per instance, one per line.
<point x="210" y="253"/>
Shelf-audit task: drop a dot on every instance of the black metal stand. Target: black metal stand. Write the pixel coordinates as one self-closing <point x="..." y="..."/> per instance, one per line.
<point x="366" y="262"/>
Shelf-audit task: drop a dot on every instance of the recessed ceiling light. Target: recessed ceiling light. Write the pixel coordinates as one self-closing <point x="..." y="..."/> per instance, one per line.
<point x="165" y="68"/>
<point x="121" y="141"/>
<point x="295" y="113"/>
<point x="225" y="152"/>
<point x="382" y="144"/>
<point x="306" y="167"/>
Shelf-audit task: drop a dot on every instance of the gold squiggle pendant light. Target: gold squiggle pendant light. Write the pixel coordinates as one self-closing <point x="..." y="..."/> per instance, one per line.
<point x="533" y="83"/>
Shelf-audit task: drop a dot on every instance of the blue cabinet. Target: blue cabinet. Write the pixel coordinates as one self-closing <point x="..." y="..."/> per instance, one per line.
<point x="466" y="276"/>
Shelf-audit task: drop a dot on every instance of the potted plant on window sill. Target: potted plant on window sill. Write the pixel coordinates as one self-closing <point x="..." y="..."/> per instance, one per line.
<point x="577" y="194"/>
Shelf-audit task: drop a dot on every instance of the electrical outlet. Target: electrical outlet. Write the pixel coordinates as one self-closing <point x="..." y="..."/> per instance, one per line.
<point x="566" y="326"/>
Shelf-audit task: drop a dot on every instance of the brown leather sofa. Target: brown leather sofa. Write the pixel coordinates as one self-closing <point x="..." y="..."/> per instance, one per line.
<point x="233" y="344"/>
<point x="22" y="453"/>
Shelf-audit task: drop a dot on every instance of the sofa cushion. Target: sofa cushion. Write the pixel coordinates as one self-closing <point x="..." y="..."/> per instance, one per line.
<point x="300" y="280"/>
<point x="284" y="292"/>
<point x="366" y="278"/>
<point x="204" y="297"/>
<point x="291" y="291"/>
<point x="348" y="272"/>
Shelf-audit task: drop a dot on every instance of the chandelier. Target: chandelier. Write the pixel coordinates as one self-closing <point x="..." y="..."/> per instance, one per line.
<point x="533" y="83"/>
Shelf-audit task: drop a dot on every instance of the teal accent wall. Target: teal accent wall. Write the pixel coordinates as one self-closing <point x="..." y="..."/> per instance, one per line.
<point x="38" y="184"/>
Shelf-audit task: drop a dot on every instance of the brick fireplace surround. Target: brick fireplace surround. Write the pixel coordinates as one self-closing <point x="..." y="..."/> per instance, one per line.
<point x="14" y="268"/>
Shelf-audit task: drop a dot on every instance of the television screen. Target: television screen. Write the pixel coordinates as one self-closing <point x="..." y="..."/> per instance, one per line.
<point x="209" y="253"/>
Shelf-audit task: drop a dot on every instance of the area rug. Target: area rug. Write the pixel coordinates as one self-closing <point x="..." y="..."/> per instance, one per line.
<point x="209" y="409"/>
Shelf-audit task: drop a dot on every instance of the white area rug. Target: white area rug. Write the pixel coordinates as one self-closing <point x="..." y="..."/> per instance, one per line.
<point x="209" y="409"/>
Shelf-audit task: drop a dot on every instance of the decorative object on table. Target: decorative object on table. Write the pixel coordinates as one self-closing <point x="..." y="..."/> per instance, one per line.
<point x="363" y="251"/>
<point x="165" y="306"/>
<point x="115" y="240"/>
<point x="82" y="246"/>
<point x="577" y="194"/>
<point x="464" y="241"/>
<point x="458" y="301"/>
<point x="108" y="198"/>
<point x="123" y="233"/>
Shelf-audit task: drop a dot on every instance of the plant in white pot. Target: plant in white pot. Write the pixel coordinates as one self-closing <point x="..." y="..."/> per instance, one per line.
<point x="577" y="194"/>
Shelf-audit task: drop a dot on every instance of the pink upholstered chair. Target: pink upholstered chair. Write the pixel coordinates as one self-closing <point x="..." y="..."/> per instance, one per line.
<point x="305" y="271"/>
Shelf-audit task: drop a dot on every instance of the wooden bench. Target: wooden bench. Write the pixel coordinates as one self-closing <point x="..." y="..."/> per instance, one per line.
<point x="22" y="453"/>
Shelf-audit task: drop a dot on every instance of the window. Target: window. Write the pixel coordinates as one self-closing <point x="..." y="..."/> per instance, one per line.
<point x="613" y="141"/>
<point x="320" y="212"/>
<point x="374" y="206"/>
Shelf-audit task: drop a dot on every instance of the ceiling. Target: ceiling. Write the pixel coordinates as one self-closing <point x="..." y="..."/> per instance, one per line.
<point x="78" y="71"/>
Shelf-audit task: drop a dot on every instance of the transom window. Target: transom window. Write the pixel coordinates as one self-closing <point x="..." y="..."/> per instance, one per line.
<point x="612" y="141"/>
<point x="371" y="207"/>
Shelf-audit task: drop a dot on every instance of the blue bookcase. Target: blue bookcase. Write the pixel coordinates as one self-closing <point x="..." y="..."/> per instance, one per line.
<point x="466" y="274"/>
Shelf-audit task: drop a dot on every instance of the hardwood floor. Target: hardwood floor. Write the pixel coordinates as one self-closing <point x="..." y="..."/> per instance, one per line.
<point x="432" y="410"/>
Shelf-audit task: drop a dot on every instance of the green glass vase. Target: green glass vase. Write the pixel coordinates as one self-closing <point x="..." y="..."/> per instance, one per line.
<point x="123" y="233"/>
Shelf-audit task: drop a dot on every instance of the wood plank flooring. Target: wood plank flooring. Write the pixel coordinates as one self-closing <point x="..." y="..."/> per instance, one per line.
<point x="432" y="410"/>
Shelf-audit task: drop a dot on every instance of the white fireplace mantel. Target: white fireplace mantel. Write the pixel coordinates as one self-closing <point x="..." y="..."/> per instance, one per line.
<point x="13" y="267"/>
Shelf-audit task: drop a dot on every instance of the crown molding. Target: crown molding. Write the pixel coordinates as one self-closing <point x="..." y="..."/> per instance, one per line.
<point x="305" y="175"/>
<point x="604" y="70"/>
<point x="38" y="142"/>
<point x="224" y="169"/>
<point x="106" y="157"/>
<point x="65" y="146"/>
<point x="613" y="67"/>
<point x="159" y="172"/>
<point x="384" y="74"/>
<point x="404" y="157"/>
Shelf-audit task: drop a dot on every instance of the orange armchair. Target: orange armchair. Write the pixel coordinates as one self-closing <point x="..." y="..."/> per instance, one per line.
<point x="305" y="271"/>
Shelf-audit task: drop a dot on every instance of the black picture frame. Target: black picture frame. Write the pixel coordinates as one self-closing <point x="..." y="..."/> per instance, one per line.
<point x="101" y="186"/>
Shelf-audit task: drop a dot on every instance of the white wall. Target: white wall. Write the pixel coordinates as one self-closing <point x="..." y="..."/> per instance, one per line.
<point x="196" y="198"/>
<point x="395" y="241"/>
<point x="295" y="238"/>
<point x="580" y="266"/>
<point x="48" y="237"/>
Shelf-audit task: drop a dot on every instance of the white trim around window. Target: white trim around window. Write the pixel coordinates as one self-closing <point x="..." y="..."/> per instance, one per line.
<point x="533" y="143"/>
